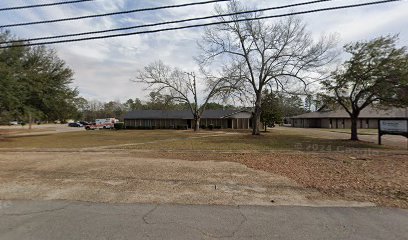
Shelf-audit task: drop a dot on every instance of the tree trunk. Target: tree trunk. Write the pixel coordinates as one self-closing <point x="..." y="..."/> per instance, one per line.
<point x="265" y="126"/>
<point x="354" y="135"/>
<point x="256" y="118"/>
<point x="29" y="121"/>
<point x="197" y="124"/>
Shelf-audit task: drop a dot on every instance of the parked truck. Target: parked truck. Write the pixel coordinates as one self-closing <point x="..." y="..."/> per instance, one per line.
<point x="103" y="123"/>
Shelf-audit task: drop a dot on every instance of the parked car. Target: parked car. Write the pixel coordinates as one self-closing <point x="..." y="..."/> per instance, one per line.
<point x="13" y="123"/>
<point x="84" y="123"/>
<point x="74" y="124"/>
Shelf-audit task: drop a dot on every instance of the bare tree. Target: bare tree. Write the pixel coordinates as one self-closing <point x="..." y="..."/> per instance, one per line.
<point x="276" y="55"/>
<point x="182" y="87"/>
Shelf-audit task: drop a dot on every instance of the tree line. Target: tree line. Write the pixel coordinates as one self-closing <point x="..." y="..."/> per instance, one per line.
<point x="276" y="108"/>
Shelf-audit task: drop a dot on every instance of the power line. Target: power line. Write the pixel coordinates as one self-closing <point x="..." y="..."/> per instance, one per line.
<point x="112" y="13"/>
<point x="43" y="5"/>
<point x="205" y="24"/>
<point x="202" y="25"/>
<point x="168" y="22"/>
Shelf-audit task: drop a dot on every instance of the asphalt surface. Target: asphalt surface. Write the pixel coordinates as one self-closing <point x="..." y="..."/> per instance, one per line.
<point x="77" y="220"/>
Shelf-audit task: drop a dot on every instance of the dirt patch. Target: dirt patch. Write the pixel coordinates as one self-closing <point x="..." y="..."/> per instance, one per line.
<point x="380" y="178"/>
<point x="129" y="178"/>
<point x="95" y="166"/>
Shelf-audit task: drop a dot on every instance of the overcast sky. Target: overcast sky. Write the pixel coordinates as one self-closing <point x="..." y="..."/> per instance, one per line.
<point x="103" y="68"/>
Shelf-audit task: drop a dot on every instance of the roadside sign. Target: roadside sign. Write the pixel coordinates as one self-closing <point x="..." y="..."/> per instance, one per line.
<point x="397" y="126"/>
<point x="392" y="127"/>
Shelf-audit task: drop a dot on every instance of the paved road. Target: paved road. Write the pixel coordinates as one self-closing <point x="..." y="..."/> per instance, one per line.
<point x="74" y="220"/>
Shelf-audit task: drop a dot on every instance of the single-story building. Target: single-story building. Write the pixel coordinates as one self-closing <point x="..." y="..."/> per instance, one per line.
<point x="368" y="118"/>
<point x="163" y="119"/>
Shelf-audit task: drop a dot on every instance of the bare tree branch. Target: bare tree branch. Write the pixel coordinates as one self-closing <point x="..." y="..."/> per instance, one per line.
<point x="263" y="51"/>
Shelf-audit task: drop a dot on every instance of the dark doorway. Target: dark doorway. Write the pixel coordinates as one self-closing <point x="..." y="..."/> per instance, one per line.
<point x="315" y="123"/>
<point x="229" y="123"/>
<point x="189" y="123"/>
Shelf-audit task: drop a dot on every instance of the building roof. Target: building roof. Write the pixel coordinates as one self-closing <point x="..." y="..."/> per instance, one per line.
<point x="368" y="112"/>
<point x="184" y="114"/>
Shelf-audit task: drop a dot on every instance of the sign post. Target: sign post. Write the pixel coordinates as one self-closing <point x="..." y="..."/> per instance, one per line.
<point x="392" y="127"/>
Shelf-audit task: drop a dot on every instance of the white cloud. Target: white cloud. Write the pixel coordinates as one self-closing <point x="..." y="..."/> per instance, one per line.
<point x="104" y="67"/>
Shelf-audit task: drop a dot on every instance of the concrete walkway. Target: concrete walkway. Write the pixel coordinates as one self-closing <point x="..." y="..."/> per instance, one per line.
<point x="75" y="220"/>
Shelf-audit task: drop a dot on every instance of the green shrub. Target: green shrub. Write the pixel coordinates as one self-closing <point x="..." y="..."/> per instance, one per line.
<point x="211" y="127"/>
<point x="119" y="126"/>
<point x="181" y="127"/>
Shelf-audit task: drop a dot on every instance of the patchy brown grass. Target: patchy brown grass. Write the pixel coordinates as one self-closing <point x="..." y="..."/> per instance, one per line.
<point x="244" y="141"/>
<point x="379" y="178"/>
<point x="9" y="132"/>
<point x="183" y="140"/>
<point x="343" y="169"/>
<point x="84" y="139"/>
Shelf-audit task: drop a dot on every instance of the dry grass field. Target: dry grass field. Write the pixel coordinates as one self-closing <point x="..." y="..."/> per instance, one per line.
<point x="182" y="140"/>
<point x="84" y="139"/>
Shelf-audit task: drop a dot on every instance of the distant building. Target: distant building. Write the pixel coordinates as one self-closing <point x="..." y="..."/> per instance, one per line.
<point x="161" y="119"/>
<point x="368" y="118"/>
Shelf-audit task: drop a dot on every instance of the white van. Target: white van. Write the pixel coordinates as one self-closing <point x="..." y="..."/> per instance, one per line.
<point x="105" y="123"/>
